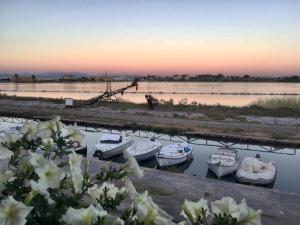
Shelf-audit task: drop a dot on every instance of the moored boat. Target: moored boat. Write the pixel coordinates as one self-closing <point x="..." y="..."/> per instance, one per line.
<point x="144" y="150"/>
<point x="173" y="154"/>
<point x="111" y="145"/>
<point x="256" y="171"/>
<point x="223" y="162"/>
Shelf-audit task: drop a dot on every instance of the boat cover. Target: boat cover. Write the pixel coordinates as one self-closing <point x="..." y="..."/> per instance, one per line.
<point x="255" y="169"/>
<point x="110" y="137"/>
<point x="142" y="147"/>
<point x="174" y="150"/>
<point x="223" y="159"/>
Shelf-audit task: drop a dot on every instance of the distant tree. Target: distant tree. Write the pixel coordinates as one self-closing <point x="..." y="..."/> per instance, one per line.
<point x="33" y="77"/>
<point x="16" y="76"/>
<point x="246" y="76"/>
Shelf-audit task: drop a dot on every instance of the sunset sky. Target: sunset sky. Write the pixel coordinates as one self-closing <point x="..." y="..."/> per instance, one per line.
<point x="257" y="37"/>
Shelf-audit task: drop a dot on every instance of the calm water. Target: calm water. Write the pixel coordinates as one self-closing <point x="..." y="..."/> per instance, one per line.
<point x="234" y="94"/>
<point x="287" y="160"/>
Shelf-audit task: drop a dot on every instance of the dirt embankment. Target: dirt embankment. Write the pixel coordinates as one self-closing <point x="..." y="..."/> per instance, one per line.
<point x="172" y="122"/>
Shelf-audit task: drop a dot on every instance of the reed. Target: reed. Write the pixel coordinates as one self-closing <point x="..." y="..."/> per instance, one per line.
<point x="276" y="103"/>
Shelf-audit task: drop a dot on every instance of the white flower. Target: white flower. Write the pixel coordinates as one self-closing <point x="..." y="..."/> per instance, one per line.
<point x="29" y="128"/>
<point x="55" y="124"/>
<point x="75" y="161"/>
<point x="42" y="190"/>
<point x="42" y="131"/>
<point x="118" y="221"/>
<point x="13" y="212"/>
<point x="50" y="175"/>
<point x="75" y="134"/>
<point x="75" y="168"/>
<point x="87" y="216"/>
<point x="37" y="160"/>
<point x="5" y="176"/>
<point x="150" y="216"/>
<point x="130" y="189"/>
<point x="48" y="143"/>
<point x="5" y="153"/>
<point x="145" y="203"/>
<point x="226" y="205"/>
<point x="95" y="192"/>
<point x="193" y="210"/>
<point x="248" y="216"/>
<point x="131" y="165"/>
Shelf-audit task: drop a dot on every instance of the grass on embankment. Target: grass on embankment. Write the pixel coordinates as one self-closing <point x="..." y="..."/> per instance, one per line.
<point x="279" y="103"/>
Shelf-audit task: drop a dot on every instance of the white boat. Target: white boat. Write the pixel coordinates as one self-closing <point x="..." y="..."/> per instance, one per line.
<point x="255" y="171"/>
<point x="223" y="162"/>
<point x="111" y="145"/>
<point x="144" y="150"/>
<point x="174" y="154"/>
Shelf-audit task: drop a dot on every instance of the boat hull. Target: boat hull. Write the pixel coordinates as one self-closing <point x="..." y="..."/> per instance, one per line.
<point x="81" y="151"/>
<point x="112" y="152"/>
<point x="260" y="181"/>
<point x="148" y="155"/>
<point x="163" y="161"/>
<point x="221" y="171"/>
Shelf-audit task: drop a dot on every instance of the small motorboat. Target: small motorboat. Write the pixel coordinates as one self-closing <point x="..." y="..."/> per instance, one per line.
<point x="111" y="145"/>
<point x="255" y="171"/>
<point x="144" y="150"/>
<point x="223" y="162"/>
<point x="174" y="154"/>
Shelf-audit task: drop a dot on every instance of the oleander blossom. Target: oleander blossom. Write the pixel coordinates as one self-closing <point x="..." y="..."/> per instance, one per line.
<point x="132" y="166"/>
<point x="83" y="216"/>
<point x="194" y="210"/>
<point x="50" y="175"/>
<point x="13" y="212"/>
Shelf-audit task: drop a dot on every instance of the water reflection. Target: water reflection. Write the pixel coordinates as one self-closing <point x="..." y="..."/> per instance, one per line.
<point x="200" y="92"/>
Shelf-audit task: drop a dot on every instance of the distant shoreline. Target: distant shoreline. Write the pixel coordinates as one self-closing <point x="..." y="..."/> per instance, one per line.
<point x="73" y="78"/>
<point x="152" y="81"/>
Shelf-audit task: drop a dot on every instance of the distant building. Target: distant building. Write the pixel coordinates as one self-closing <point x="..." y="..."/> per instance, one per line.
<point x="185" y="77"/>
<point x="68" y="77"/>
<point x="22" y="79"/>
